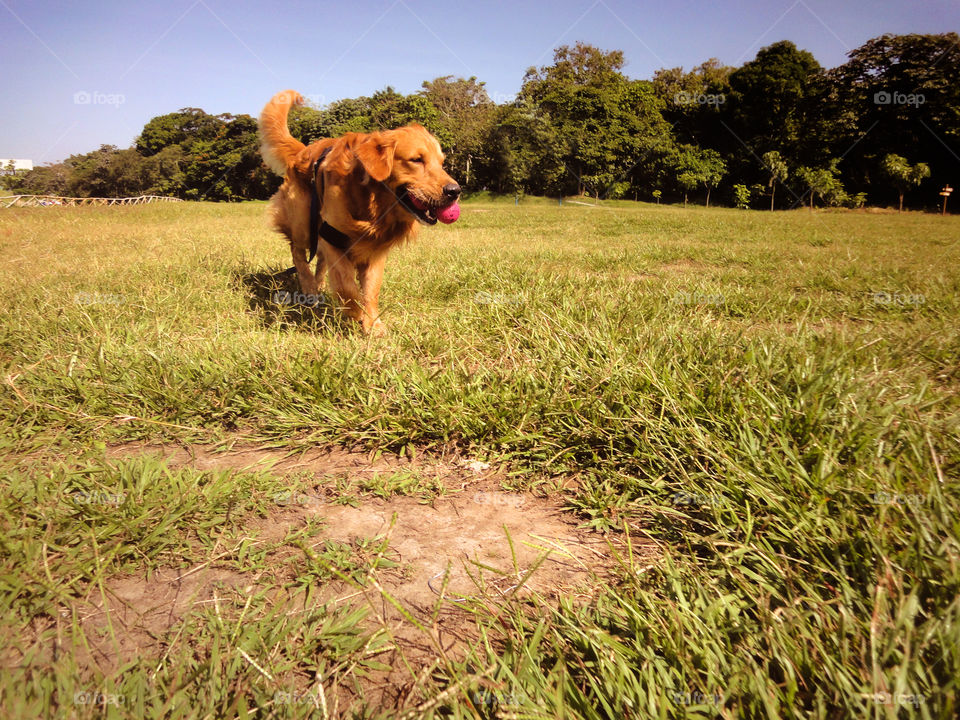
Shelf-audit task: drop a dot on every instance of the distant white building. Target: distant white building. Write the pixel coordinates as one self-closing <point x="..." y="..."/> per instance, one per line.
<point x="18" y="165"/>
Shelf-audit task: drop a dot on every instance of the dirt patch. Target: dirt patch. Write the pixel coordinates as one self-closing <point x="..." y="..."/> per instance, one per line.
<point x="485" y="541"/>
<point x="320" y="461"/>
<point x="476" y="523"/>
<point x="476" y="544"/>
<point x="134" y="615"/>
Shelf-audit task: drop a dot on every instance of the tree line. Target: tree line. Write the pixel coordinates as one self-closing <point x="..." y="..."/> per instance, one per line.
<point x="779" y="131"/>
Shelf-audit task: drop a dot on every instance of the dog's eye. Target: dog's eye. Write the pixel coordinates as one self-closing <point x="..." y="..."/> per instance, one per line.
<point x="417" y="159"/>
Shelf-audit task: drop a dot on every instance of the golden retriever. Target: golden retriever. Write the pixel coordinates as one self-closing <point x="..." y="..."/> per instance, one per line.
<point x="373" y="189"/>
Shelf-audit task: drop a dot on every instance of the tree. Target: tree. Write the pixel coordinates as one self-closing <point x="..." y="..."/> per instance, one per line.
<point x="389" y="109"/>
<point x="823" y="182"/>
<point x="165" y="172"/>
<point x="909" y="65"/>
<point x="97" y="173"/>
<point x="111" y="172"/>
<point x="683" y="164"/>
<point x="524" y="153"/>
<point x="183" y="127"/>
<point x="228" y="166"/>
<point x="348" y="115"/>
<point x="901" y="93"/>
<point x="693" y="166"/>
<point x="774" y="102"/>
<point x="714" y="168"/>
<point x="8" y="176"/>
<point x="612" y="126"/>
<point x="741" y="196"/>
<point x="579" y="66"/>
<point x="777" y="170"/>
<point x="49" y="179"/>
<point x="385" y="110"/>
<point x="466" y="112"/>
<point x="903" y="174"/>
<point x="694" y="101"/>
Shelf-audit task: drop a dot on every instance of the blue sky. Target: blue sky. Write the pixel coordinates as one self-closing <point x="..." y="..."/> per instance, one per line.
<point x="78" y="74"/>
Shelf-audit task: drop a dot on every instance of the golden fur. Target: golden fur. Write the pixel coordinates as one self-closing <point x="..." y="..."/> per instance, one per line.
<point x="367" y="175"/>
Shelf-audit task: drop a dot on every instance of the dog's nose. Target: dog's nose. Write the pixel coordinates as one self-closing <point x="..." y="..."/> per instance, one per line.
<point x="451" y="191"/>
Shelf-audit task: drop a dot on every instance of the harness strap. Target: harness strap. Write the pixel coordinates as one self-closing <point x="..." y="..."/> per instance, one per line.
<point x="338" y="239"/>
<point x="316" y="195"/>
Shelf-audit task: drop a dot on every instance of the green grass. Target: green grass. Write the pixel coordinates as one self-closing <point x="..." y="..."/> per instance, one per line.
<point x="771" y="397"/>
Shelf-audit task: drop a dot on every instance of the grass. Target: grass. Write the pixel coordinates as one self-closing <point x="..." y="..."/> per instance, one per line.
<point x="771" y="397"/>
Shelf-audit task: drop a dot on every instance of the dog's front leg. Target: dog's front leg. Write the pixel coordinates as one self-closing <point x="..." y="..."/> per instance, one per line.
<point x="371" y="279"/>
<point x="308" y="282"/>
<point x="343" y="283"/>
<point x="321" y="272"/>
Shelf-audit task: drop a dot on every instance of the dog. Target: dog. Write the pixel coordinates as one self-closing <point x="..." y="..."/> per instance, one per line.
<point x="372" y="191"/>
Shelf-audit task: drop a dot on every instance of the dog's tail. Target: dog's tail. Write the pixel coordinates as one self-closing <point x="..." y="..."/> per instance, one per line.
<point x="277" y="146"/>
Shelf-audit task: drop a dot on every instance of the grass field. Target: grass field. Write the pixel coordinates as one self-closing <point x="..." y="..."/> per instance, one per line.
<point x="743" y="425"/>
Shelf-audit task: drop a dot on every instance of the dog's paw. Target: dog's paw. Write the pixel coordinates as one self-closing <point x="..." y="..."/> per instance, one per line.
<point x="376" y="329"/>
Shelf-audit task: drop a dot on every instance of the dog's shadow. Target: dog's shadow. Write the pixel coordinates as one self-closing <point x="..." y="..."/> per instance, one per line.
<point x="275" y="297"/>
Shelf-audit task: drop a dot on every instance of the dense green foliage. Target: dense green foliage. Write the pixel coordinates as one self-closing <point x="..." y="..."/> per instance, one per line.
<point x="581" y="126"/>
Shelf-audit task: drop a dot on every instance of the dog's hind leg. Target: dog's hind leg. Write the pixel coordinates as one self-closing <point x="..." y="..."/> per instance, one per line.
<point x="299" y="242"/>
<point x="296" y="228"/>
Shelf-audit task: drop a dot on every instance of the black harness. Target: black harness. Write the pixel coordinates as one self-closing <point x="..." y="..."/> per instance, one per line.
<point x="329" y="233"/>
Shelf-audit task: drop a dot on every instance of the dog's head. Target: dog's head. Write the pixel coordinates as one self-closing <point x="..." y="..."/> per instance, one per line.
<point x="408" y="162"/>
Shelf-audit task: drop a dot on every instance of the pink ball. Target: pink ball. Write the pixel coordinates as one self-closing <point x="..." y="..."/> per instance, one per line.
<point x="449" y="214"/>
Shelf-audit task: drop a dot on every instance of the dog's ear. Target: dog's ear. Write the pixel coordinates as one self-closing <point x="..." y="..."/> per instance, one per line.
<point x="375" y="153"/>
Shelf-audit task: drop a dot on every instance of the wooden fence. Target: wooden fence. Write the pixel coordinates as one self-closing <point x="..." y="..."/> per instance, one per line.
<point x="57" y="201"/>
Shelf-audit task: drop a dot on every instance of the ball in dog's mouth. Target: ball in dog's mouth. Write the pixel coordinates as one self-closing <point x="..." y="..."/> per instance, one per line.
<point x="447" y="214"/>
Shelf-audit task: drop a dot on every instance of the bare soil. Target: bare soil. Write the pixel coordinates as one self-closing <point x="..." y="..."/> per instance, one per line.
<point x="476" y="544"/>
